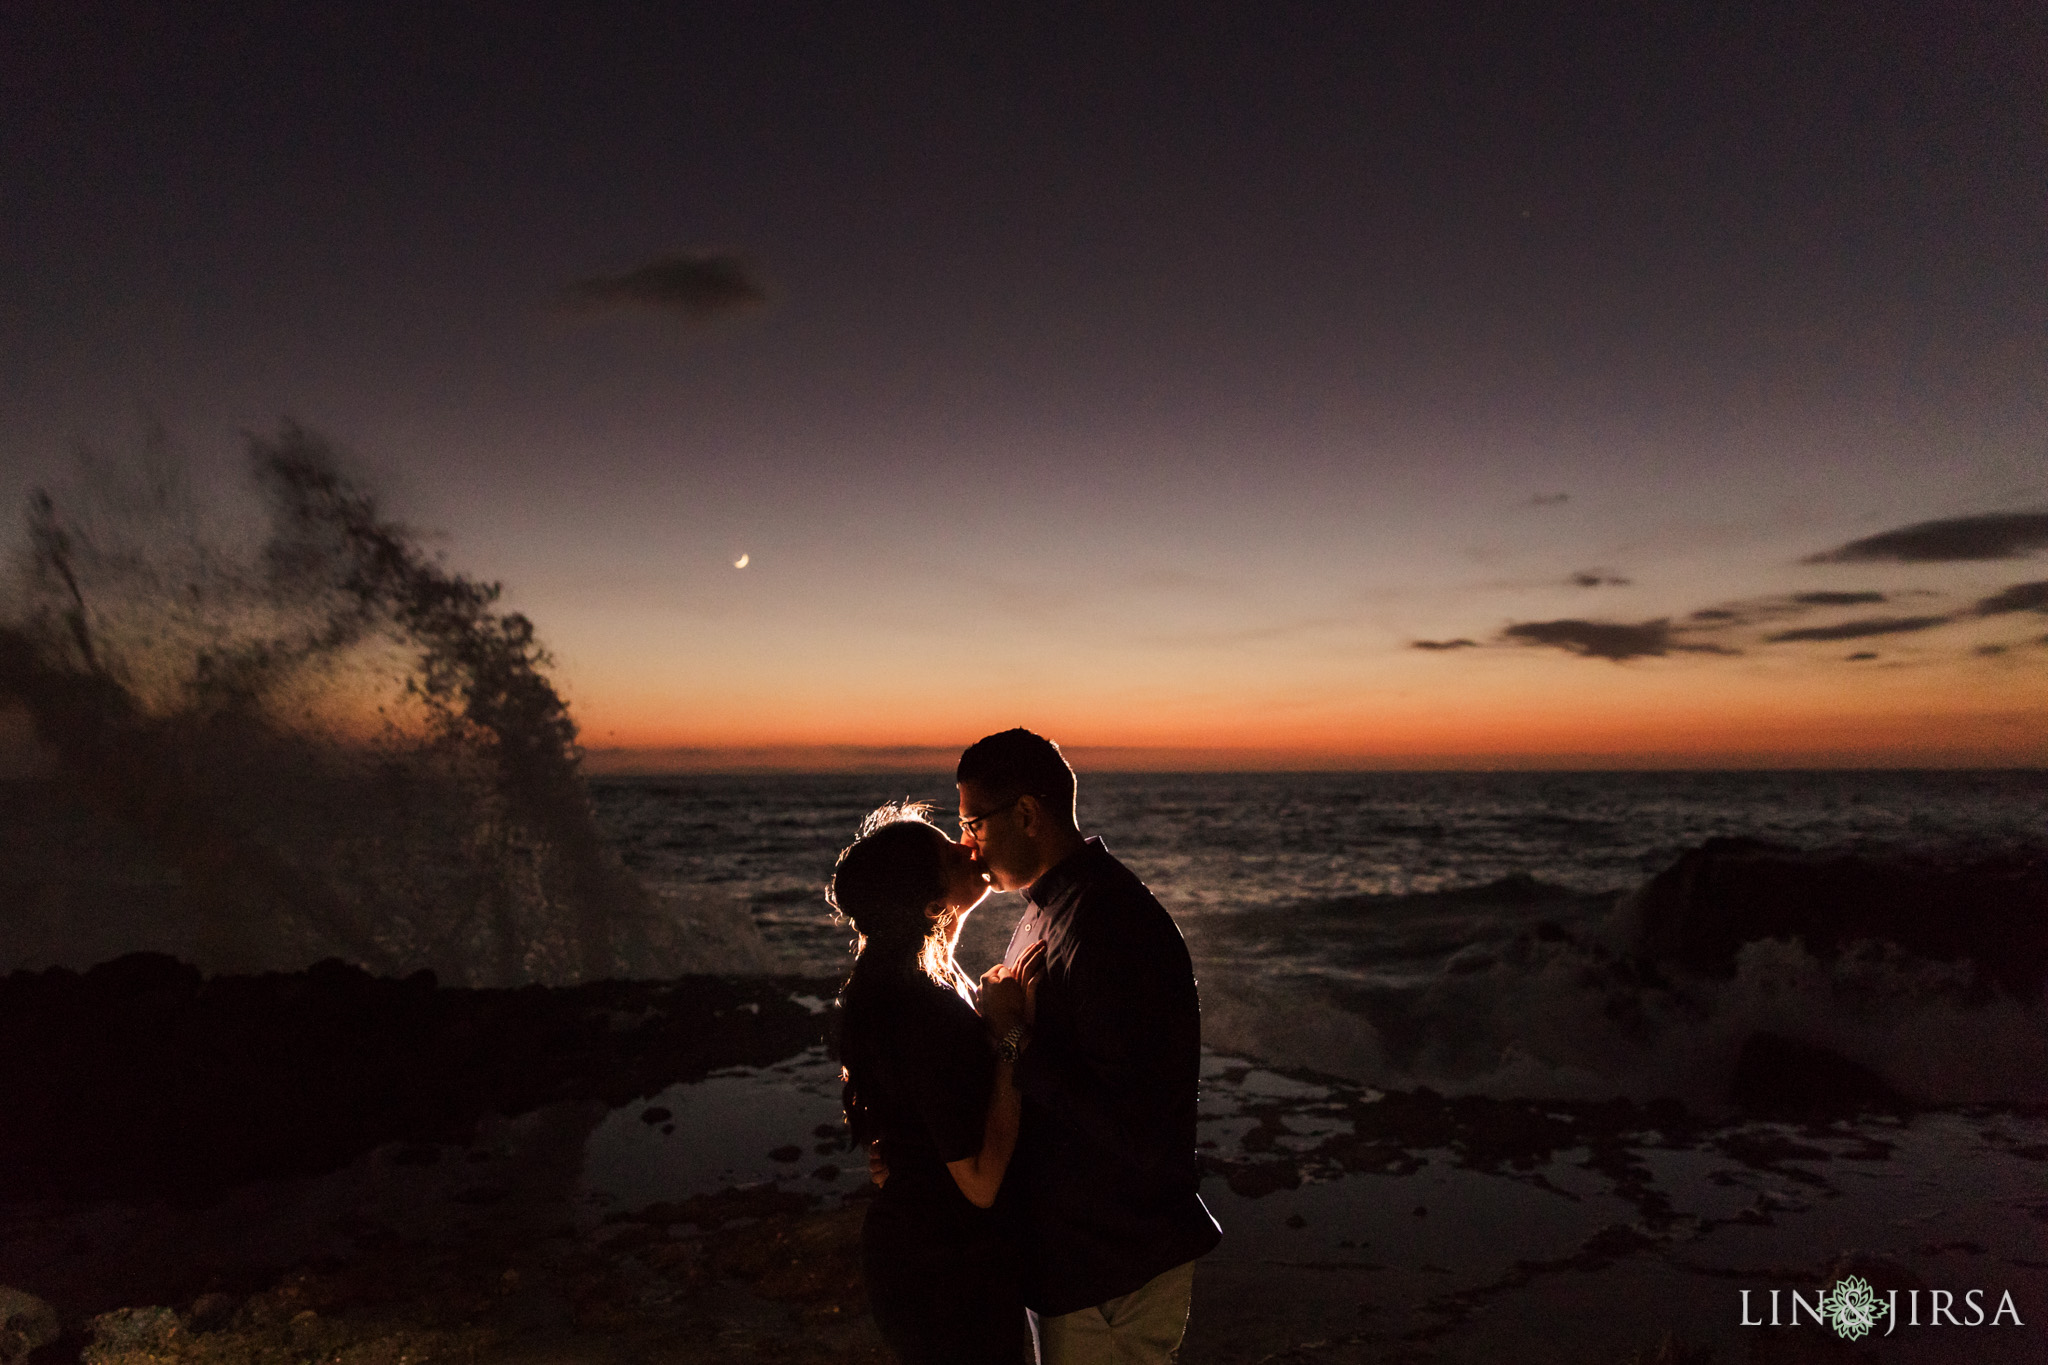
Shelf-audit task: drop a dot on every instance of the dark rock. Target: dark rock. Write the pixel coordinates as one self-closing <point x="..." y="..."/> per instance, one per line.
<point x="211" y="1312"/>
<point x="1517" y="888"/>
<point x="1783" y="1077"/>
<point x="1257" y="1179"/>
<point x="144" y="975"/>
<point x="1985" y="909"/>
<point x="142" y="1079"/>
<point x="1612" y="1243"/>
<point x="26" y="1324"/>
<point x="127" y="1333"/>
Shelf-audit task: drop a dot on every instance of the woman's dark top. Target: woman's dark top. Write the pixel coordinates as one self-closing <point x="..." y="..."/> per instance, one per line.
<point x="919" y="1069"/>
<point x="942" y="1275"/>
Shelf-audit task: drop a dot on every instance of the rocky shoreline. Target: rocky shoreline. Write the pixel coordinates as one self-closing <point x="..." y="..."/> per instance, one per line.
<point x="328" y="1166"/>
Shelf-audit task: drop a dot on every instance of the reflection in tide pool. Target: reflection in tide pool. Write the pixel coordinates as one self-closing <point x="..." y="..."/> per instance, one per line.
<point x="737" y="1127"/>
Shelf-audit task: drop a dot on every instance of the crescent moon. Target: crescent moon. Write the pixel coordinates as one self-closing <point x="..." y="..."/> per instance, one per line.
<point x="741" y="562"/>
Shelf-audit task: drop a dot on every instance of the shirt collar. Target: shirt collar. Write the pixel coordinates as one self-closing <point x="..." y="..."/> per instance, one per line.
<point x="1055" y="881"/>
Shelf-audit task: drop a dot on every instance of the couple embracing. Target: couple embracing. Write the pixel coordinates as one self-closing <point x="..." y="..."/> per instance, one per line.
<point x="1034" y="1138"/>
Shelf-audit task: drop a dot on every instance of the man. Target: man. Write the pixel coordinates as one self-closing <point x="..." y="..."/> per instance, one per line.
<point x="1108" y="1066"/>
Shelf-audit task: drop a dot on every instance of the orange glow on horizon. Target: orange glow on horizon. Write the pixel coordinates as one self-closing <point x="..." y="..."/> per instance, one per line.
<point x="1698" y="736"/>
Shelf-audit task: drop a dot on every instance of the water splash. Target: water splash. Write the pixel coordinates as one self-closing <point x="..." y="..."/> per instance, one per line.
<point x="334" y="744"/>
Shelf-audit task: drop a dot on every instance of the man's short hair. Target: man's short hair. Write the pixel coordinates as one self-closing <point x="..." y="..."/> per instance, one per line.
<point x="1018" y="763"/>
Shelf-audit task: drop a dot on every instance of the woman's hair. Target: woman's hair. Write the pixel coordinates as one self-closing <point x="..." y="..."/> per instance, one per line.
<point x="885" y="883"/>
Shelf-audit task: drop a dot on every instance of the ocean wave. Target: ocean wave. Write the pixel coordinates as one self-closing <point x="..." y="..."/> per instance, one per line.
<point x="1699" y="986"/>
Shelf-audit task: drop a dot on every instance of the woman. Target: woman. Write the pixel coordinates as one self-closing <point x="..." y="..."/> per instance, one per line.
<point x="926" y="1076"/>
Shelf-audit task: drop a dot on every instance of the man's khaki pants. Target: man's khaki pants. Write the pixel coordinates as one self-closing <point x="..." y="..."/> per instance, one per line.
<point x="1143" y="1327"/>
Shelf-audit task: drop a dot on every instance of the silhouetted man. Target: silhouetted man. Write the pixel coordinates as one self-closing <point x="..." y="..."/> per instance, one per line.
<point x="1109" y="1067"/>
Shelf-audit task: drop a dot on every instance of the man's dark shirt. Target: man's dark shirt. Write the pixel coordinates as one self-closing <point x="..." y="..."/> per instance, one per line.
<point x="1106" y="1161"/>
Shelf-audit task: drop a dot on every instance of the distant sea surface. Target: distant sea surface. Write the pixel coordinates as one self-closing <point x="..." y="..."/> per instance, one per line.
<point x="1341" y="920"/>
<point x="1215" y="843"/>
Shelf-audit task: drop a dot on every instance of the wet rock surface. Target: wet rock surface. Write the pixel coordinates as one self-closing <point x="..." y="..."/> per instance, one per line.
<point x="732" y="1280"/>
<point x="142" y="1079"/>
<point x="452" y="1222"/>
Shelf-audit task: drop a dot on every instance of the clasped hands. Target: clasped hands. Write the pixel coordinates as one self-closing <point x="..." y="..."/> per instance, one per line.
<point x="1009" y="995"/>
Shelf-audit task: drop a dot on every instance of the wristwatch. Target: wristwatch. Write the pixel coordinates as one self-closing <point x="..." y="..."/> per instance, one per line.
<point x="1011" y="1044"/>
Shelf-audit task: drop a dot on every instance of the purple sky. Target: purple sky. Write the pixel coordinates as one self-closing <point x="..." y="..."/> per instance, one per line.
<point x="1155" y="373"/>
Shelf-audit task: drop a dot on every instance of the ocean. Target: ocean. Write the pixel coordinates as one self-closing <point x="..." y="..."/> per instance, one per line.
<point x="1466" y="931"/>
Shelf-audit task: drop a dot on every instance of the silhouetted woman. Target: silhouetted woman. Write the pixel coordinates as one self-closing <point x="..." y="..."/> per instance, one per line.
<point x="924" y="1076"/>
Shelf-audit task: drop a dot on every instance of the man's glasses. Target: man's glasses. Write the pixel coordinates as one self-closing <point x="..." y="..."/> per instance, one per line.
<point x="970" y="828"/>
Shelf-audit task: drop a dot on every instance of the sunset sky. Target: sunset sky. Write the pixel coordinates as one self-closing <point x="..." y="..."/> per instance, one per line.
<point x="1202" y="385"/>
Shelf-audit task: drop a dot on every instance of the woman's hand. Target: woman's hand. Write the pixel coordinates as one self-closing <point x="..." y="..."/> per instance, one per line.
<point x="1009" y="996"/>
<point x="1001" y="1000"/>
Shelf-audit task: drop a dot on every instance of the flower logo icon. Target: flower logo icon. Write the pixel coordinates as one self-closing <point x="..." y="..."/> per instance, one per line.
<point x="1851" y="1308"/>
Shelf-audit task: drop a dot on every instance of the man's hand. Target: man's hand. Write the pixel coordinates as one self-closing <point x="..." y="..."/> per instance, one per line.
<point x="1009" y="996"/>
<point x="878" y="1169"/>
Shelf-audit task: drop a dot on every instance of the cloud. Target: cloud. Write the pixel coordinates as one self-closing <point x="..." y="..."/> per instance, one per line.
<point x="1607" y="639"/>
<point x="1756" y="610"/>
<point x="1597" y="578"/>
<point x="1443" y="644"/>
<point x="2018" y="597"/>
<point x="1837" y="599"/>
<point x="695" y="285"/>
<point x="1549" y="500"/>
<point x="1990" y="651"/>
<point x="1992" y="535"/>
<point x="1860" y="630"/>
<point x="1860" y="655"/>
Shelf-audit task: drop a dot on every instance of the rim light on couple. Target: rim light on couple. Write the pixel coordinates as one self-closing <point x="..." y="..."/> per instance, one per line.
<point x="1033" y="1133"/>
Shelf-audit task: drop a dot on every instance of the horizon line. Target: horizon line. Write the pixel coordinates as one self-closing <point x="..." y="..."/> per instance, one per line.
<point x="669" y="760"/>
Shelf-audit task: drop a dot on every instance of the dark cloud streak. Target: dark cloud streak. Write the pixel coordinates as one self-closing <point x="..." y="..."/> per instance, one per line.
<point x="1860" y="630"/>
<point x="1993" y="535"/>
<point x="1443" y="644"/>
<point x="1607" y="639"/>
<point x="2018" y="597"/>
<point x="698" y="286"/>
<point x="1756" y="610"/>
<point x="1838" y="599"/>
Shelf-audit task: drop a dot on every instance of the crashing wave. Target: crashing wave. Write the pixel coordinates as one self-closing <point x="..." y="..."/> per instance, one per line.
<point x="331" y="744"/>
